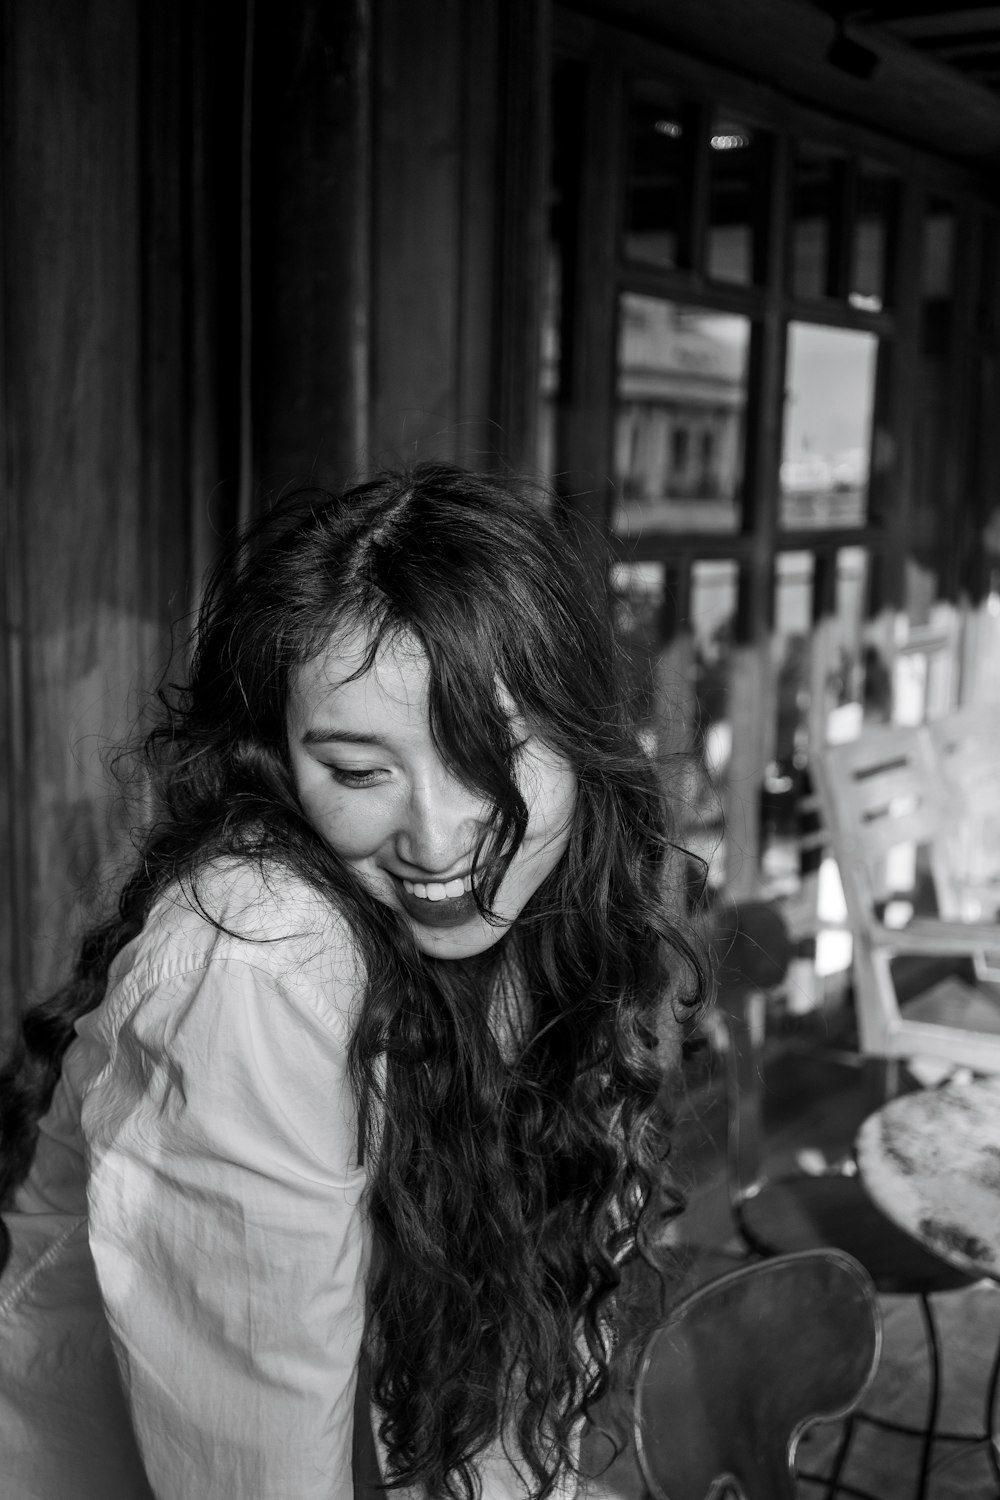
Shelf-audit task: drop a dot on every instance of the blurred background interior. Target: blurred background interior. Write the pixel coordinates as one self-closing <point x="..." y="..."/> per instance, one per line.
<point x="726" y="273"/>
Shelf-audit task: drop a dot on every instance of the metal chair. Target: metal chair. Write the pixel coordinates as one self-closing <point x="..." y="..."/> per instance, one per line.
<point x="799" y="1211"/>
<point x="740" y="1368"/>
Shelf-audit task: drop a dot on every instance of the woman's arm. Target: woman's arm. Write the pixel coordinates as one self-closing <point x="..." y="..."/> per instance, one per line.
<point x="226" y="1229"/>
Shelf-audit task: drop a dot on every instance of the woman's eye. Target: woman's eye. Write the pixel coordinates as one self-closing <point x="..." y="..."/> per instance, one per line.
<point x="347" y="777"/>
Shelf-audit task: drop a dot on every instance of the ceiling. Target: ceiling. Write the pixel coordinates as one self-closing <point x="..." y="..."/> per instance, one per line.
<point x="924" y="71"/>
<point x="962" y="37"/>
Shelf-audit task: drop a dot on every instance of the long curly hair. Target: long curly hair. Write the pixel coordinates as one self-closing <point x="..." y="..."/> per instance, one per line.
<point x="509" y="1171"/>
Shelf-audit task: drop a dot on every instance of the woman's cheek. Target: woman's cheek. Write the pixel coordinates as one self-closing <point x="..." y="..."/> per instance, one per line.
<point x="354" y="826"/>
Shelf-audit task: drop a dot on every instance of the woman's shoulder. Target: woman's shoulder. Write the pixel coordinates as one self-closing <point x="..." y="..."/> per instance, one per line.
<point x="255" y="913"/>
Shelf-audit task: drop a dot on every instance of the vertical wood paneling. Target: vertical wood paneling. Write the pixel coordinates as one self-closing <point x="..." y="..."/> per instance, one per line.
<point x="119" y="419"/>
<point x="308" y="260"/>
<point x="71" y="376"/>
<point x="525" y="159"/>
<point x="431" y="267"/>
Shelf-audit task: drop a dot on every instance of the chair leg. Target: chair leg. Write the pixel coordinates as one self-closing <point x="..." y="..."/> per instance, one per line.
<point x="992" y="1436"/>
<point x="934" y="1399"/>
<point x="839" y="1459"/>
<point x="928" y="1434"/>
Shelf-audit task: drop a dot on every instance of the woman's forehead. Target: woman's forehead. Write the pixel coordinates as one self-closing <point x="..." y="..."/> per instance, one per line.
<point x="384" y="677"/>
<point x="354" y="669"/>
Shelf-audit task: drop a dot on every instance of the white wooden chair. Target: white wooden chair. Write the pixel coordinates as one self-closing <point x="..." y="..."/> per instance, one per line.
<point x="887" y="798"/>
<point x="967" y="745"/>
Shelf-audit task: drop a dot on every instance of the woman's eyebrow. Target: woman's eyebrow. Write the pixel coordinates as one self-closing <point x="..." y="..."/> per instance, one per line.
<point x="321" y="735"/>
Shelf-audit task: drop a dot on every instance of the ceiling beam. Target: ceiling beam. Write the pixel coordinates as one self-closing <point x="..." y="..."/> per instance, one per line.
<point x="887" y="12"/>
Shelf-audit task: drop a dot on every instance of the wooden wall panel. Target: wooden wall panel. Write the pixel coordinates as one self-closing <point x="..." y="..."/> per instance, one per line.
<point x="71" y="368"/>
<point x="120" y="418"/>
<point x="434" y="145"/>
<point x="309" y="263"/>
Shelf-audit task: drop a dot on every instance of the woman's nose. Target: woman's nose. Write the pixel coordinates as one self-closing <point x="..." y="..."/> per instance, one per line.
<point x="443" y="825"/>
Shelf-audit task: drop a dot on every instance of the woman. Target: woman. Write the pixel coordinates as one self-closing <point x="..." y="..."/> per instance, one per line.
<point x="365" y="1068"/>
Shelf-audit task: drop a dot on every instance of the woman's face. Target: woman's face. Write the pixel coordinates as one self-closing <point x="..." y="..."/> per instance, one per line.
<point x="375" y="789"/>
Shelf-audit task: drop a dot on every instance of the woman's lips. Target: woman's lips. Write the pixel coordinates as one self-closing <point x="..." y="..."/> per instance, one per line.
<point x="449" y="911"/>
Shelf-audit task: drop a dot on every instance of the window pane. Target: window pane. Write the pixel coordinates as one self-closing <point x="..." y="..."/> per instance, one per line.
<point x="737" y="201"/>
<point x="872" y="237"/>
<point x="829" y="398"/>
<point x="817" y="178"/>
<point x="938" y="276"/>
<point x="659" y="177"/>
<point x="680" y="416"/>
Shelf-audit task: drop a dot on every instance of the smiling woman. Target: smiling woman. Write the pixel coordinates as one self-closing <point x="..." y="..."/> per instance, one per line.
<point x="350" y="1113"/>
<point x="373" y="784"/>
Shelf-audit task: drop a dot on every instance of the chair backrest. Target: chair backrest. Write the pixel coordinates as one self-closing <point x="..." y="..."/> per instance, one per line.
<point x="965" y="743"/>
<point x="883" y="794"/>
<point x="741" y="1367"/>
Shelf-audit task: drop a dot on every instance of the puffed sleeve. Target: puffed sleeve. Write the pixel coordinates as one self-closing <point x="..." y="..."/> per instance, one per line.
<point x="227" y="1233"/>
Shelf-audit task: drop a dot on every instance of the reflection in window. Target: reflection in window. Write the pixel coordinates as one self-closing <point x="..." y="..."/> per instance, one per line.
<point x="680" y="416"/>
<point x="829" y="400"/>
<point x="737" y="194"/>
<point x="817" y="177"/>
<point x="660" y="172"/>
<point x="872" y="235"/>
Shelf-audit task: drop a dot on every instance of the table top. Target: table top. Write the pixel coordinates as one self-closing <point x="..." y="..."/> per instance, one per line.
<point x="931" y="1161"/>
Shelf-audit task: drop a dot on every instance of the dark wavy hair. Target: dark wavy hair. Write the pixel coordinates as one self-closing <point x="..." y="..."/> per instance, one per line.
<point x="507" y="1181"/>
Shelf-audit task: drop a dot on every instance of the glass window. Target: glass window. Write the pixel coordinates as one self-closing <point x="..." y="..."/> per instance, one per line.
<point x="817" y="190"/>
<point x="680" y="416"/>
<point x="873" y="237"/>
<point x="661" y="138"/>
<point x="737" y="199"/>
<point x="829" y="400"/>
<point x="938" y="276"/>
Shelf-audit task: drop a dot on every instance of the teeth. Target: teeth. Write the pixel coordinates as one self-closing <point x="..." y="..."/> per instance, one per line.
<point x="436" y="890"/>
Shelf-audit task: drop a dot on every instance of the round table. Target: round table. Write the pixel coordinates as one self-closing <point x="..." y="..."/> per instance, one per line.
<point x="931" y="1161"/>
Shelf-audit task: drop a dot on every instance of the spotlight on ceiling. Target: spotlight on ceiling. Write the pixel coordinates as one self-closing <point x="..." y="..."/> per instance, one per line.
<point x="851" y="56"/>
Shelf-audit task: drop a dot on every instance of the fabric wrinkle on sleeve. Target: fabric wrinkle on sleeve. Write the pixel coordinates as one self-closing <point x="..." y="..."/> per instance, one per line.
<point x="226" y="1227"/>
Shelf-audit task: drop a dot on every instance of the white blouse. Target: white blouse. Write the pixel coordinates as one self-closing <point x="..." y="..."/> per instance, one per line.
<point x="183" y="1309"/>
